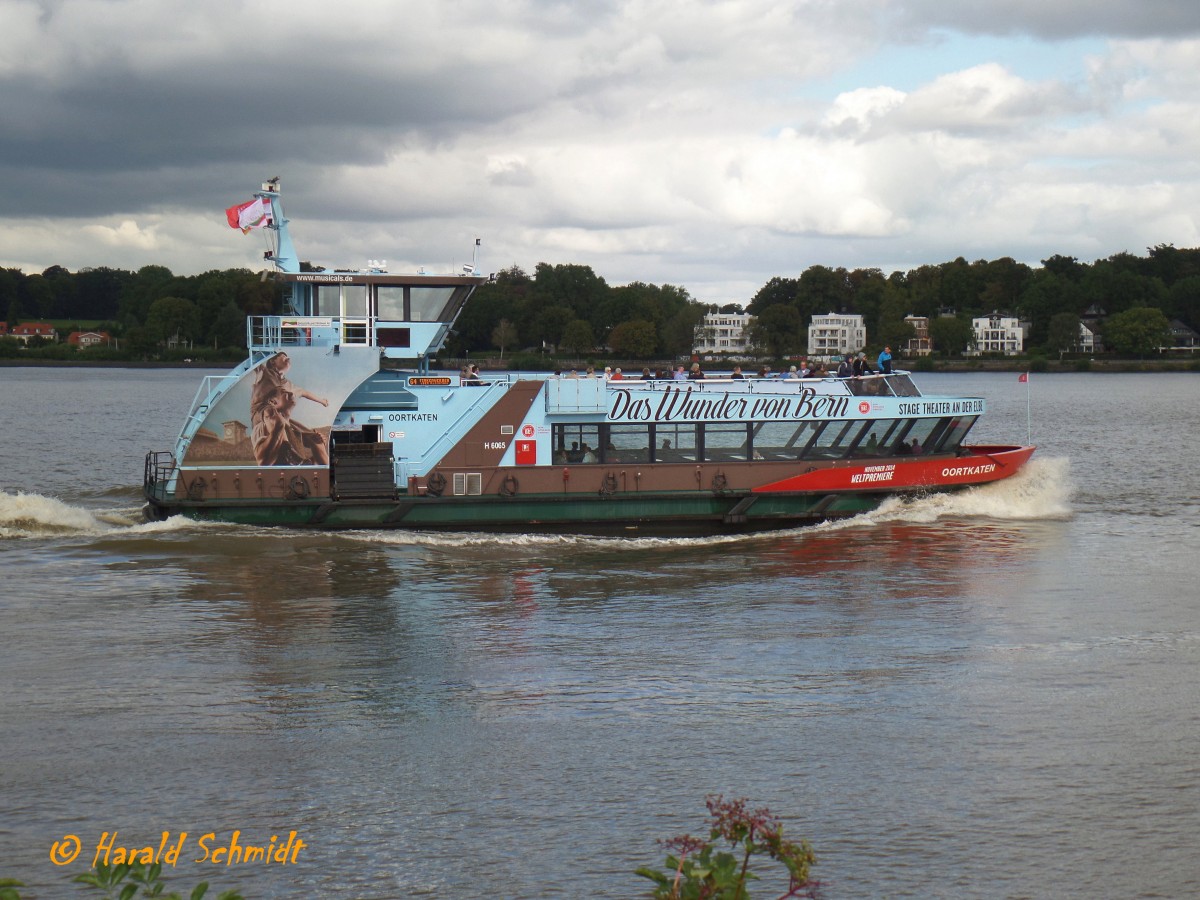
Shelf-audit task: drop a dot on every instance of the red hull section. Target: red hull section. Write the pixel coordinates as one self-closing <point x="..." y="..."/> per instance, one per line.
<point x="982" y="465"/>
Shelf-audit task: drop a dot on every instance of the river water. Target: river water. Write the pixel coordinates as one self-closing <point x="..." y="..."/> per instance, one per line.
<point x="984" y="695"/>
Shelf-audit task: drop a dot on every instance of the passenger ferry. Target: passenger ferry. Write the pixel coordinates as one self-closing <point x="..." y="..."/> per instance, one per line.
<point x="336" y="420"/>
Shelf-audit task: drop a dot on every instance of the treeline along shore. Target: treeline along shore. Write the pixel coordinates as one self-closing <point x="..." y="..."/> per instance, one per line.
<point x="568" y="312"/>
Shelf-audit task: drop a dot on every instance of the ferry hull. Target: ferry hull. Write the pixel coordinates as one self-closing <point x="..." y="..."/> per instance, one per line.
<point x="832" y="492"/>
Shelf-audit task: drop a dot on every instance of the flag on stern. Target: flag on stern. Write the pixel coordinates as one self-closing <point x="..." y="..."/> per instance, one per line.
<point x="251" y="214"/>
<point x="1023" y="378"/>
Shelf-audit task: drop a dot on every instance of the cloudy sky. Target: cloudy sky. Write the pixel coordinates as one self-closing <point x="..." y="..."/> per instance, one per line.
<point x="712" y="145"/>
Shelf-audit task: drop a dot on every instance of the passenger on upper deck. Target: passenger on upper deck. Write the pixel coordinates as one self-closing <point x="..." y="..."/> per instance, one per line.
<point x="861" y="366"/>
<point x="737" y="373"/>
<point x="680" y="373"/>
<point x="696" y="374"/>
<point x="845" y="367"/>
<point x="885" y="361"/>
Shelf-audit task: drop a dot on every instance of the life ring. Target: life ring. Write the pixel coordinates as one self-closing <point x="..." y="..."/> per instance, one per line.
<point x="298" y="488"/>
<point x="509" y="486"/>
<point x="196" y="489"/>
<point x="719" y="483"/>
<point x="435" y="483"/>
<point x="608" y="486"/>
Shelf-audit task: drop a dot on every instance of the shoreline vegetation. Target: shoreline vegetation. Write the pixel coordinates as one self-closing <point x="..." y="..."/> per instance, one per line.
<point x="1015" y="364"/>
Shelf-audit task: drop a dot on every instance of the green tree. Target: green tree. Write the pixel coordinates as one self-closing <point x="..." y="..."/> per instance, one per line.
<point x="635" y="339"/>
<point x="778" y="329"/>
<point x="776" y="292"/>
<point x="172" y="320"/>
<point x="951" y="334"/>
<point x="578" y="337"/>
<point x="1139" y="331"/>
<point x="504" y="335"/>
<point x="1063" y="333"/>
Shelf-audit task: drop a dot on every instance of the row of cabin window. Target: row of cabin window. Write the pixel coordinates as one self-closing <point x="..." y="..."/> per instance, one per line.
<point x="390" y="303"/>
<point x="743" y="441"/>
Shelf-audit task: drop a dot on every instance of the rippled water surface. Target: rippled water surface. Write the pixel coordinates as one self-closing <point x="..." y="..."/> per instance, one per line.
<point x="984" y="695"/>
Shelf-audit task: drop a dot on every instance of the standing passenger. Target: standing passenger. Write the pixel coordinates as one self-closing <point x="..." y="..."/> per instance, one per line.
<point x="885" y="361"/>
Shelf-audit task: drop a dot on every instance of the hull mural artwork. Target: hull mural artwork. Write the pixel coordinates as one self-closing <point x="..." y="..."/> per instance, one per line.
<point x="271" y="418"/>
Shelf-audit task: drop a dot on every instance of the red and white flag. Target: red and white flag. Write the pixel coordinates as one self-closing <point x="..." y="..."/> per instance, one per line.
<point x="252" y="214"/>
<point x="1023" y="378"/>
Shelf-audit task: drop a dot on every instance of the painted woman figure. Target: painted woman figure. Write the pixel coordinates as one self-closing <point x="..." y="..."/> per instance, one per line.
<point x="279" y="440"/>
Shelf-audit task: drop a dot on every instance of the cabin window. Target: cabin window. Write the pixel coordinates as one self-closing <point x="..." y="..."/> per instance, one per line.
<point x="390" y="303"/>
<point x="950" y="433"/>
<point x="428" y="303"/>
<point x="727" y="442"/>
<point x="833" y="441"/>
<point x="574" y="444"/>
<point x="354" y="300"/>
<point x="627" y="444"/>
<point x="781" y="440"/>
<point x="878" y="437"/>
<point x="675" y="443"/>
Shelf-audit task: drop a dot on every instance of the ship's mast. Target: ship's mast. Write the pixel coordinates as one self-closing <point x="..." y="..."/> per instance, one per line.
<point x="284" y="254"/>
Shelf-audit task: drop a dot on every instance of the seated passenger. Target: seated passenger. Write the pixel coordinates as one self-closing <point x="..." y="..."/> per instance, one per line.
<point x="589" y="455"/>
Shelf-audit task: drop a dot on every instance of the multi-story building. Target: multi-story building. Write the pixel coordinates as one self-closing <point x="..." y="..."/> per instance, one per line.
<point x="997" y="334"/>
<point x="722" y="333"/>
<point x="836" y="333"/>
<point x="920" y="345"/>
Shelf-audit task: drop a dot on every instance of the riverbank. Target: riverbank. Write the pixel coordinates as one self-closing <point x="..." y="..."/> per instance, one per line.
<point x="1016" y="365"/>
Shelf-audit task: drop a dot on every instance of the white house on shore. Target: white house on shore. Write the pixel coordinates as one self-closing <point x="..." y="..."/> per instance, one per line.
<point x="722" y="333"/>
<point x="836" y="333"/>
<point x="997" y="334"/>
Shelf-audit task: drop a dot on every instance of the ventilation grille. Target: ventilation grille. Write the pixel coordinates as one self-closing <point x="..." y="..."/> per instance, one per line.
<point x="468" y="483"/>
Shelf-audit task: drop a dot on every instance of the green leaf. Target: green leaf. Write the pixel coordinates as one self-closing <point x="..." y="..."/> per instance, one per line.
<point x="199" y="890"/>
<point x="90" y="878"/>
<point x="10" y="892"/>
<point x="128" y="892"/>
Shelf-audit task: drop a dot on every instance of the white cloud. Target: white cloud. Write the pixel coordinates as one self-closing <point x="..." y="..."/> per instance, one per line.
<point x="659" y="140"/>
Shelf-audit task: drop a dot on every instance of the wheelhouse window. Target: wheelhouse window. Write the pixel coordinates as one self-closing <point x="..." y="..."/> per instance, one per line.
<point x="390" y="303"/>
<point x="428" y="303"/>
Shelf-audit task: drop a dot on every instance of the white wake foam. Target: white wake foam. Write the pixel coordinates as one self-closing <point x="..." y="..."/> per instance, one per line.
<point x="34" y="515"/>
<point x="1041" y="490"/>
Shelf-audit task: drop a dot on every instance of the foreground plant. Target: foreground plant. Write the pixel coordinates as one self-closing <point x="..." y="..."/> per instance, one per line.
<point x="148" y="878"/>
<point x="698" y="870"/>
<point x="124" y="882"/>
